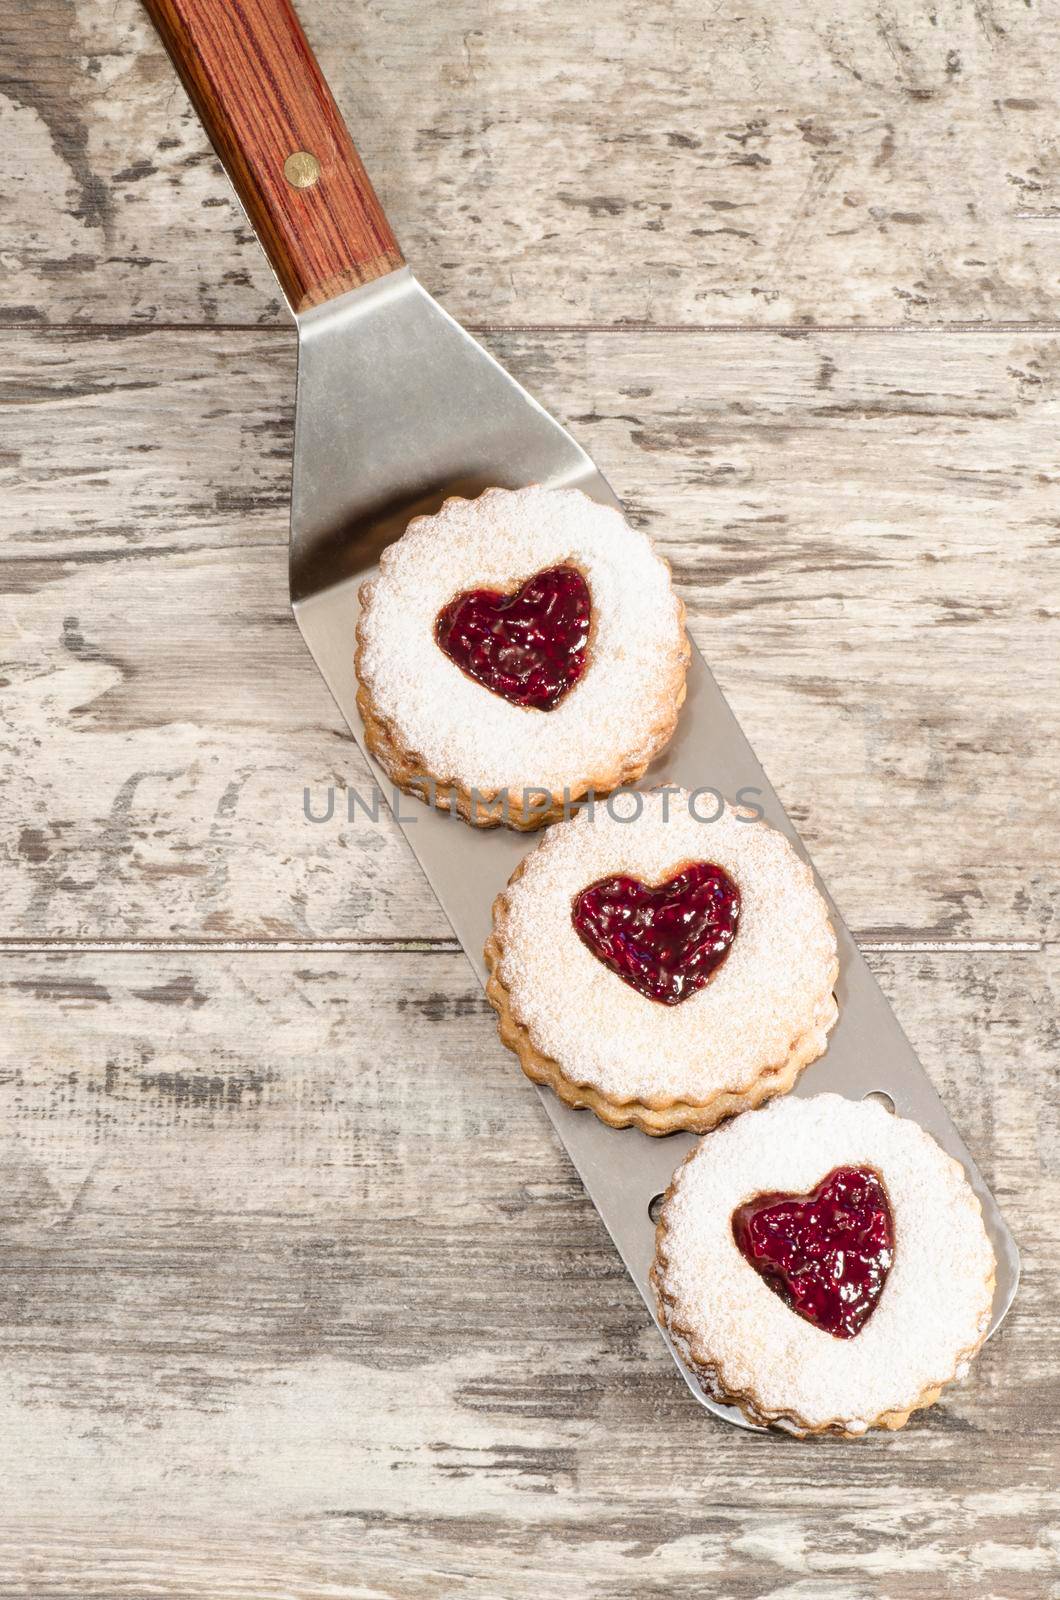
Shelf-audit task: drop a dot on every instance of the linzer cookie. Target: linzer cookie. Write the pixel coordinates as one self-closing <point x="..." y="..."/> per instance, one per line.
<point x="663" y="970"/>
<point x="823" y="1264"/>
<point x="517" y="651"/>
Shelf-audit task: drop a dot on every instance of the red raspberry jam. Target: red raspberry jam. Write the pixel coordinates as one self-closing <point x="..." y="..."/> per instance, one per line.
<point x="664" y="940"/>
<point x="826" y="1254"/>
<point x="529" y="647"/>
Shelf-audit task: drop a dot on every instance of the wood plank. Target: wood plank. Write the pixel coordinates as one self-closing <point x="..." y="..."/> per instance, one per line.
<point x="567" y="163"/>
<point x="864" y="529"/>
<point x="300" y="1297"/>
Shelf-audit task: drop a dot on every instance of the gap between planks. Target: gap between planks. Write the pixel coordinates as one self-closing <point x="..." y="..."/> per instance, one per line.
<point x="436" y="946"/>
<point x="786" y="330"/>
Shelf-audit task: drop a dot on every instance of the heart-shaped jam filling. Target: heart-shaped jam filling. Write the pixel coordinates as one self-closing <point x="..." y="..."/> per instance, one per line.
<point x="663" y="939"/>
<point x="529" y="647"/>
<point x="826" y="1254"/>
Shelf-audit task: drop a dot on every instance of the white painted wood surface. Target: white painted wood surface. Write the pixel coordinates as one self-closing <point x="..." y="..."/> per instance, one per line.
<point x="298" y="1296"/>
<point x="668" y="162"/>
<point x="864" y="529"/>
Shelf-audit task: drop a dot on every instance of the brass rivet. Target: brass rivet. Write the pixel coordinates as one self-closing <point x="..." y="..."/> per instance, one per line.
<point x="301" y="169"/>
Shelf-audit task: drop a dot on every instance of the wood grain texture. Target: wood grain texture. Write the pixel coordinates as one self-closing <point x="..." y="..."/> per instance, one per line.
<point x="574" y="163"/>
<point x="260" y="95"/>
<point x="864" y="529"/>
<point x="299" y="1299"/>
<point x="316" y="1306"/>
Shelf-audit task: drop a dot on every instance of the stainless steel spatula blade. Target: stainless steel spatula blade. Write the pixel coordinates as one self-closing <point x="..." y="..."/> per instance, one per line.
<point x="356" y="484"/>
<point x="397" y="408"/>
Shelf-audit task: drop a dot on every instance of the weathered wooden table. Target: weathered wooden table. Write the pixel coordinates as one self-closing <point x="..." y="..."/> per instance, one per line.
<point x="298" y="1295"/>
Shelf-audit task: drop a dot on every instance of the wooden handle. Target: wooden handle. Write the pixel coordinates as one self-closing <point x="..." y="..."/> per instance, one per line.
<point x="263" y="101"/>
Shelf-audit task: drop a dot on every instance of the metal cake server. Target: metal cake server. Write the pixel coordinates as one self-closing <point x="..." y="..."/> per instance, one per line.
<point x="397" y="408"/>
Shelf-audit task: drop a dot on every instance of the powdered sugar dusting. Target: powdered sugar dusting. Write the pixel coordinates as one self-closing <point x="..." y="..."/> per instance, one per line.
<point x="461" y="729"/>
<point x="935" y="1305"/>
<point x="773" y="989"/>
